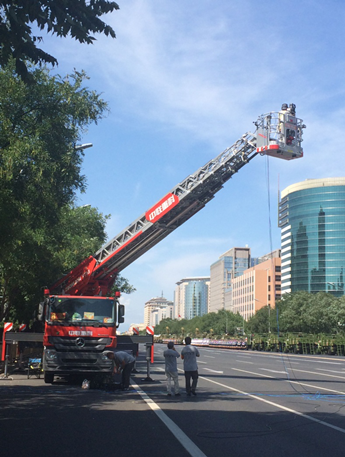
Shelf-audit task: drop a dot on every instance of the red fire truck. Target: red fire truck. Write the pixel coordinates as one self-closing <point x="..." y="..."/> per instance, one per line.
<point x="80" y="318"/>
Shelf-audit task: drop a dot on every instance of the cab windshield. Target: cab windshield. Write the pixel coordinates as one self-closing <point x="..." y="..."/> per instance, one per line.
<point x="85" y="311"/>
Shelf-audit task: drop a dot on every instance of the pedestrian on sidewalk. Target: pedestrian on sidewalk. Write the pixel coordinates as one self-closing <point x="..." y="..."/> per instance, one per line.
<point x="171" y="356"/>
<point x="188" y="355"/>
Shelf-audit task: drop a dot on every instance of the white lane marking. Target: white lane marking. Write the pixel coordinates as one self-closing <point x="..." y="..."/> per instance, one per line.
<point x="245" y="361"/>
<point x="276" y="405"/>
<point x="330" y="363"/>
<point x="214" y="371"/>
<point x="315" y="387"/>
<point x="209" y="356"/>
<point x="186" y="442"/>
<point x="292" y="382"/>
<point x="273" y="371"/>
<point x="330" y="371"/>
<point x="315" y="372"/>
<point x="251" y="372"/>
<point x="199" y="361"/>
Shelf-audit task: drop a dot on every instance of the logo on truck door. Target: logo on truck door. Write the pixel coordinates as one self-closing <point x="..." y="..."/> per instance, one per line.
<point x="162" y="207"/>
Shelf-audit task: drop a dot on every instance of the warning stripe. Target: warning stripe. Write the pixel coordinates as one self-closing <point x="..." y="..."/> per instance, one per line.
<point x="150" y="330"/>
<point x="8" y="326"/>
<point x="266" y="148"/>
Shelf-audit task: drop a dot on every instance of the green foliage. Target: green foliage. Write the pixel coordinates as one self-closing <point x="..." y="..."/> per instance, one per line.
<point x="79" y="234"/>
<point x="39" y="165"/>
<point x="208" y="325"/>
<point x="78" y="19"/>
<point x="259" y="323"/>
<point x="302" y="312"/>
<point x="310" y="313"/>
<point x="122" y="285"/>
<point x="31" y="265"/>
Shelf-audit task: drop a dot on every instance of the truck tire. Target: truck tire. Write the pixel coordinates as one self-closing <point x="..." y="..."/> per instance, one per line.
<point x="49" y="378"/>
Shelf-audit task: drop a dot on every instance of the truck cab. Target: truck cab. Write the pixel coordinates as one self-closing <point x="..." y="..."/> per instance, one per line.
<point x="78" y="332"/>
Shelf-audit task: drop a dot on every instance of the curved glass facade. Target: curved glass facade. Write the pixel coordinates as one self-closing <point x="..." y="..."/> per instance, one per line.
<point x="312" y="219"/>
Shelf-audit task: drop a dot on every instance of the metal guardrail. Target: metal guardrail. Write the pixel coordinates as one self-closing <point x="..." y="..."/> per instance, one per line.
<point x="13" y="337"/>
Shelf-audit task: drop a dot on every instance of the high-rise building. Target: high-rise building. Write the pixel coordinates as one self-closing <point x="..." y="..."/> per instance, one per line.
<point x="191" y="297"/>
<point x="312" y="222"/>
<point x="257" y="287"/>
<point x="230" y="265"/>
<point x="157" y="309"/>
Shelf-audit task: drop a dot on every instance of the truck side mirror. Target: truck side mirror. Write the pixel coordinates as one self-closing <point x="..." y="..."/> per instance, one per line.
<point x="121" y="314"/>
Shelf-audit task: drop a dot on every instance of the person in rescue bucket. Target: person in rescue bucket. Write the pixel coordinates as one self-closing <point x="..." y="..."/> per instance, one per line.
<point x="123" y="363"/>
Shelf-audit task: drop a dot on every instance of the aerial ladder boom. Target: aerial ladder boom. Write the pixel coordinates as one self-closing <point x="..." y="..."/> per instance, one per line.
<point x="277" y="134"/>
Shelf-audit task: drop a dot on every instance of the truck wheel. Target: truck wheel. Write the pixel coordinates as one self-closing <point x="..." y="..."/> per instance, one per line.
<point x="49" y="378"/>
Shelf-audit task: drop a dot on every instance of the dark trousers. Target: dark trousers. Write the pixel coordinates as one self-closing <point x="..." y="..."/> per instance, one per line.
<point x="191" y="375"/>
<point x="126" y="374"/>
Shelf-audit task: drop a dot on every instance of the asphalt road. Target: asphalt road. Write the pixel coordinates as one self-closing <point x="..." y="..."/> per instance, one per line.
<point x="247" y="403"/>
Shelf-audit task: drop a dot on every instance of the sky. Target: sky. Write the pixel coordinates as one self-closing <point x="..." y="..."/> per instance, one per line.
<point x="184" y="80"/>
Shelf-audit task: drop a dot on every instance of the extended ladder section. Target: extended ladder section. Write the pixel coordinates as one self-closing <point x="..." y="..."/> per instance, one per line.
<point x="278" y="134"/>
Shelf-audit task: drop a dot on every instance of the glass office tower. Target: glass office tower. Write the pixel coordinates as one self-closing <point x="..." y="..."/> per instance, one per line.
<point x="312" y="222"/>
<point x="192" y="297"/>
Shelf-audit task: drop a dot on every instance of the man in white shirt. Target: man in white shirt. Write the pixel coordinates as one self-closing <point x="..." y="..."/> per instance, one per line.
<point x="188" y="355"/>
<point x="171" y="356"/>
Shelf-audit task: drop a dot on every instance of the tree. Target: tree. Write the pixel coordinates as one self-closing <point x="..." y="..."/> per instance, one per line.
<point x="39" y="164"/>
<point x="122" y="285"/>
<point x="78" y="18"/>
<point x="259" y="322"/>
<point x="42" y="233"/>
<point x="201" y="325"/>
<point x="309" y="313"/>
<point x="79" y="233"/>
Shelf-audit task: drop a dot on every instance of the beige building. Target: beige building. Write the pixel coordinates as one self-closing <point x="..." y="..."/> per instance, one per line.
<point x="140" y="327"/>
<point x="157" y="309"/>
<point x="259" y="286"/>
<point x="229" y="266"/>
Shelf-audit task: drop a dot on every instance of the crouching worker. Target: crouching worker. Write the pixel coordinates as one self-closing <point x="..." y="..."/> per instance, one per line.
<point x="171" y="356"/>
<point x="123" y="363"/>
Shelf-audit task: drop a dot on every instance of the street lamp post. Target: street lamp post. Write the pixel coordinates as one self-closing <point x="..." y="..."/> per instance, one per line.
<point x="83" y="146"/>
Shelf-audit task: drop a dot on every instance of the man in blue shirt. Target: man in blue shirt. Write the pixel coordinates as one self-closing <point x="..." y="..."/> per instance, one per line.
<point x="123" y="362"/>
<point x="171" y="356"/>
<point x="188" y="355"/>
